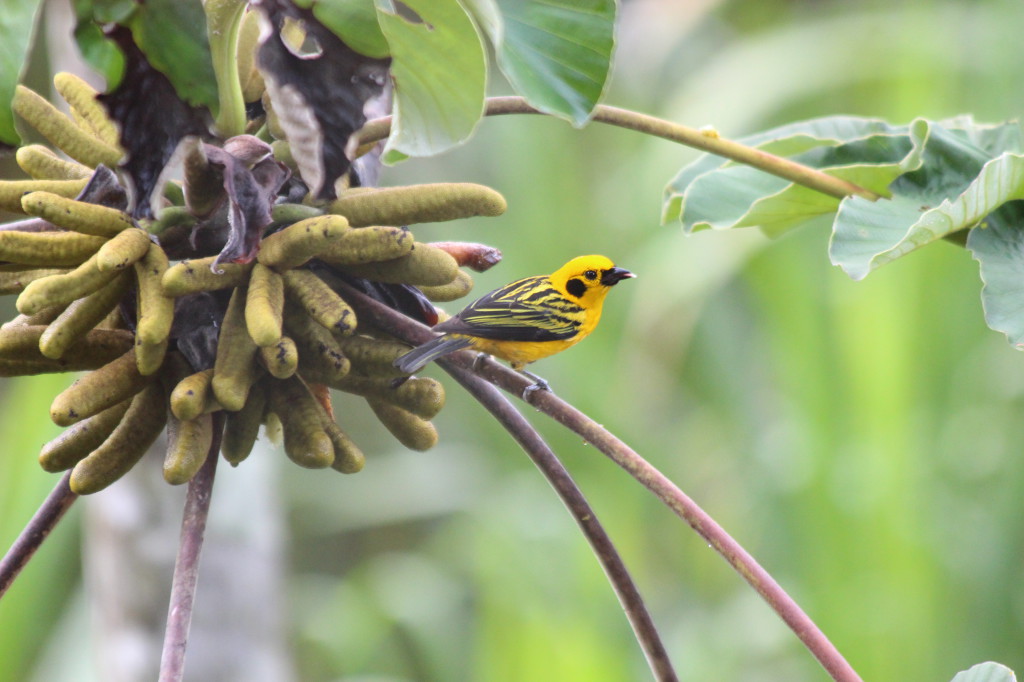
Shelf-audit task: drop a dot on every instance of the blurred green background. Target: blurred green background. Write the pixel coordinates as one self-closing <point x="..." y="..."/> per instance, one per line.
<point x="857" y="438"/>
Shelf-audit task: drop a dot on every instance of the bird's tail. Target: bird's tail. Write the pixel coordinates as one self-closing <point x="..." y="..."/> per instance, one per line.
<point x="420" y="356"/>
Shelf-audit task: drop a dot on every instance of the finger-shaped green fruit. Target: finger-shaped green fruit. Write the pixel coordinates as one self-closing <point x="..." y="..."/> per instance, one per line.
<point x="305" y="441"/>
<point x="203" y="184"/>
<point x="320" y="302"/>
<point x="411" y="431"/>
<point x="125" y="446"/>
<point x="15" y="281"/>
<point x="123" y="250"/>
<point x="296" y="244"/>
<point x="149" y="357"/>
<point x="286" y="214"/>
<point x="19" y="350"/>
<point x="248" y="40"/>
<point x="170" y="217"/>
<point x="281" y="359"/>
<point x="318" y="348"/>
<point x="26" y="368"/>
<point x="264" y="306"/>
<point x="43" y="317"/>
<point x="454" y="290"/>
<point x="235" y="368"/>
<point x="11" y="191"/>
<point x="241" y="428"/>
<point x="428" y="203"/>
<point x="77" y="216"/>
<point x="110" y="384"/>
<point x="78" y="440"/>
<point x="193" y="396"/>
<point x="97" y="348"/>
<point x="273" y="120"/>
<point x="283" y="154"/>
<point x="81" y="316"/>
<point x="348" y="458"/>
<point x="193" y="276"/>
<point x="368" y="245"/>
<point x="155" y="309"/>
<point x="81" y="97"/>
<point x="62" y="132"/>
<point x="424" y="265"/>
<point x="63" y="289"/>
<point x="188" y="445"/>
<point x="43" y="164"/>
<point x="48" y="249"/>
<point x="372" y="356"/>
<point x="174" y="194"/>
<point x="422" y="396"/>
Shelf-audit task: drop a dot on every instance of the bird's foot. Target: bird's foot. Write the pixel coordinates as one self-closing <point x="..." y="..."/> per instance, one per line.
<point x="539" y="384"/>
<point x="478" y="362"/>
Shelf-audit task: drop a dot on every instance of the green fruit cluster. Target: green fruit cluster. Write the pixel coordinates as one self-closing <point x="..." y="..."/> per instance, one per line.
<point x="97" y="291"/>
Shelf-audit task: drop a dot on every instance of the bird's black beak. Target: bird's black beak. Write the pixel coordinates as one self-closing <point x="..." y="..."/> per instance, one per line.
<point x="615" y="275"/>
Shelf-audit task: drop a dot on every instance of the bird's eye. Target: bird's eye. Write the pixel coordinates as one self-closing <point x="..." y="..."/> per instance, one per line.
<point x="590" y="274"/>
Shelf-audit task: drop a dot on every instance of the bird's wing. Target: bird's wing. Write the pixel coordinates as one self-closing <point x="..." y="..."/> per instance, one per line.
<point x="527" y="310"/>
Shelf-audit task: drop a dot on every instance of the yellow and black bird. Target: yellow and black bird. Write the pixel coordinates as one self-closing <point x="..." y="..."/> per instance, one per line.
<point x="528" y="319"/>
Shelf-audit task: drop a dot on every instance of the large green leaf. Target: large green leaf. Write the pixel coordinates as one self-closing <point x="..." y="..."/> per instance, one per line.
<point x="172" y="35"/>
<point x="685" y="195"/>
<point x="99" y="51"/>
<point x="354" y="21"/>
<point x="556" y="53"/>
<point x="713" y="192"/>
<point x="956" y="184"/>
<point x="986" y="672"/>
<point x="439" y="71"/>
<point x="16" y="27"/>
<point x="999" y="250"/>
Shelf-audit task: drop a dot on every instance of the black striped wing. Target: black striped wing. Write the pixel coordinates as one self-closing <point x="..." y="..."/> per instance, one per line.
<point x="527" y="310"/>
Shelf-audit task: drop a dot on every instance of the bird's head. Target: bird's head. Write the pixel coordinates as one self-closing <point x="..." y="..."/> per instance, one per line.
<point x="587" y="279"/>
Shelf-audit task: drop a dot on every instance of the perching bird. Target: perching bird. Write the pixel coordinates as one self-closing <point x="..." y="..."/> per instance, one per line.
<point x="528" y="319"/>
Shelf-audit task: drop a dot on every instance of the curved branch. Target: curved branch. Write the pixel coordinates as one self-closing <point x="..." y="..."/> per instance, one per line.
<point x="45" y="519"/>
<point x="708" y="141"/>
<point x="665" y="490"/>
<point x="561" y="480"/>
<point x="186" y="566"/>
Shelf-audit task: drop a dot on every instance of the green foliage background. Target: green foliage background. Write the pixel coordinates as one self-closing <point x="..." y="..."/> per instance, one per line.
<point x="860" y="439"/>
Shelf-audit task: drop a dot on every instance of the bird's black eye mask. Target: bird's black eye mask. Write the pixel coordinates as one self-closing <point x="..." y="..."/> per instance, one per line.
<point x="576" y="287"/>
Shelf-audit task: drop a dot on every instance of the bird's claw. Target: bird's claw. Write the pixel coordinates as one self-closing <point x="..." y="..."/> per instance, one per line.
<point x="478" y="362"/>
<point x="539" y="384"/>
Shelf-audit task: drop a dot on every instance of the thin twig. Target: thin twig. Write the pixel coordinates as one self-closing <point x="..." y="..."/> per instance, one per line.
<point x="561" y="480"/>
<point x="186" y="566"/>
<point x="665" y="490"/>
<point x="812" y="178"/>
<point x="45" y="519"/>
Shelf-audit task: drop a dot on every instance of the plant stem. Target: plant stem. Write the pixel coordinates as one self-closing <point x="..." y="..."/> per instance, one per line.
<point x="561" y="480"/>
<point x="665" y="490"/>
<point x="708" y="141"/>
<point x="186" y="566"/>
<point x="223" y="17"/>
<point x="43" y="521"/>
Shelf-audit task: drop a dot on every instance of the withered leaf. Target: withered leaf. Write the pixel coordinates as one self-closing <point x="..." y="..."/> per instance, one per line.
<point x="319" y="97"/>
<point x="152" y="119"/>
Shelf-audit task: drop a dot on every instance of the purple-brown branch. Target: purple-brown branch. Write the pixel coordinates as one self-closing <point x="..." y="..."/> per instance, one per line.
<point x="45" y="519"/>
<point x="561" y="480"/>
<point x="665" y="490"/>
<point x="186" y="566"/>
